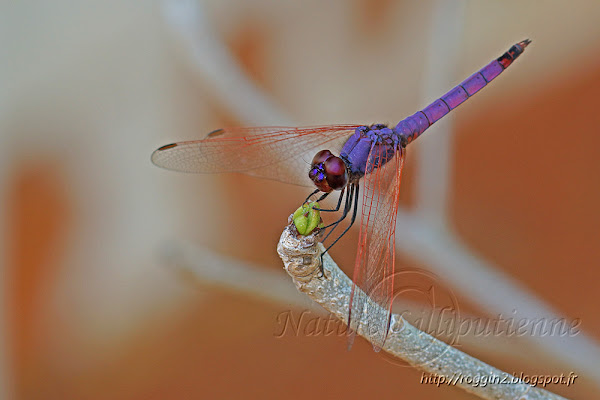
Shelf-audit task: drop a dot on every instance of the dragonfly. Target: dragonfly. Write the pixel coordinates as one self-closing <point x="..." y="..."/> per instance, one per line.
<point x="369" y="161"/>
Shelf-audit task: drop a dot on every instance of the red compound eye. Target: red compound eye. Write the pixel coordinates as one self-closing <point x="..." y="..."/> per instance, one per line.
<point x="335" y="171"/>
<point x="328" y="172"/>
<point x="321" y="157"/>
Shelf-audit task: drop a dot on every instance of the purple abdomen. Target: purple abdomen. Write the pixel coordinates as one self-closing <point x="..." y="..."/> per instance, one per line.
<point x="410" y="128"/>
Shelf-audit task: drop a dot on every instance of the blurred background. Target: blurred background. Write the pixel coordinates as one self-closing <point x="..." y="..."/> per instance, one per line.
<point x="125" y="281"/>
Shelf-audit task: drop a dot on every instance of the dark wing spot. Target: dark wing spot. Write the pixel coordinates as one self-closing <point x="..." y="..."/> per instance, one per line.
<point x="216" y="132"/>
<point x="166" y="146"/>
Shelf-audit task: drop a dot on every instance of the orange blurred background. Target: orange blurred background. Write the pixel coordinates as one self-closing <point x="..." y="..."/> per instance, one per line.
<point x="93" y="307"/>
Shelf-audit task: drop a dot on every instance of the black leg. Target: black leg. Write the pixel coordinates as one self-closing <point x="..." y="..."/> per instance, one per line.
<point x="338" y="204"/>
<point x="347" y="207"/>
<point x="354" y="213"/>
<point x="323" y="196"/>
<point x="310" y="195"/>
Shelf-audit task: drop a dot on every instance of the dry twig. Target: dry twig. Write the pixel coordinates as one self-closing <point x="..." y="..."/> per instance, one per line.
<point x="300" y="255"/>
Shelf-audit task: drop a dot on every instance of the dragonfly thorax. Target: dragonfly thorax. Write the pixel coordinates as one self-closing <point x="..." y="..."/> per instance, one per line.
<point x="370" y="147"/>
<point x="328" y="172"/>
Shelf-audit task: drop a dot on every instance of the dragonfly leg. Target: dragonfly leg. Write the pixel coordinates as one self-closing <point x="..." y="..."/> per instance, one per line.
<point x="312" y="194"/>
<point x="338" y="204"/>
<point x="323" y="196"/>
<point x="347" y="207"/>
<point x="354" y="212"/>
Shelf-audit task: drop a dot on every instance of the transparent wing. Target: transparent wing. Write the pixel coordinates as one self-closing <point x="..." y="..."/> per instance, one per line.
<point x="371" y="296"/>
<point x="279" y="153"/>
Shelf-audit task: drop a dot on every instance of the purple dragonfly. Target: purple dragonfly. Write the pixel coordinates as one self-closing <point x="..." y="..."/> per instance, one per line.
<point x="371" y="154"/>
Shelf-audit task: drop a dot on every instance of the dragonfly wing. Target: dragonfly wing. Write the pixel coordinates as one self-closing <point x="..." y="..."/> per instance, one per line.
<point x="371" y="296"/>
<point x="279" y="153"/>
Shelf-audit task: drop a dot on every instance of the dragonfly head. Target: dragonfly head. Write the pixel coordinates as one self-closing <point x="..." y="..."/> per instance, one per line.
<point x="328" y="172"/>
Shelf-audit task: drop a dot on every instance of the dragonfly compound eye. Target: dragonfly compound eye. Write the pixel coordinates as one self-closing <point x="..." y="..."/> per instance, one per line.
<point x="321" y="157"/>
<point x="328" y="172"/>
<point x="335" y="170"/>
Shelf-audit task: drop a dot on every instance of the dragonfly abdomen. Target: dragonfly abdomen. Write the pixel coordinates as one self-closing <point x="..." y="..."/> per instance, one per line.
<point x="412" y="127"/>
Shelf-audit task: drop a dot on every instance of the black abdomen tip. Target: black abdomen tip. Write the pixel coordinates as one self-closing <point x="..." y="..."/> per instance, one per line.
<point x="524" y="43"/>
